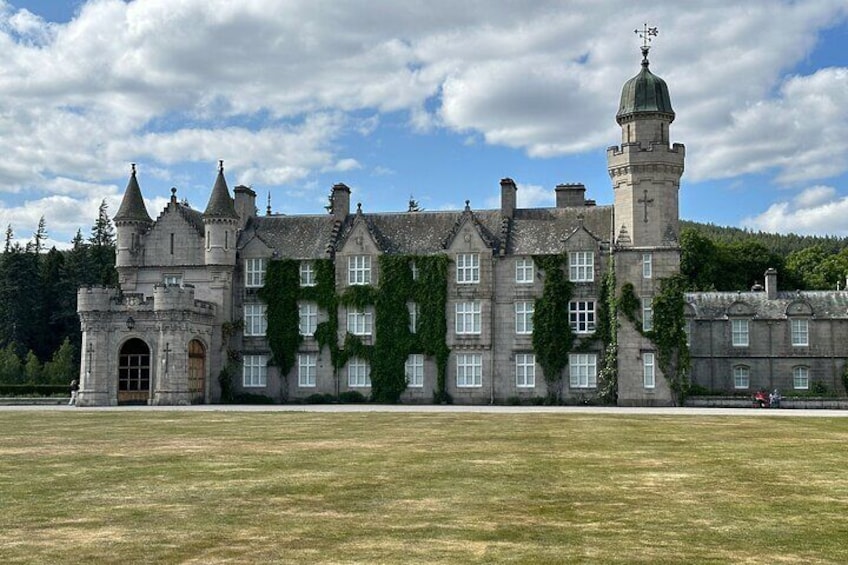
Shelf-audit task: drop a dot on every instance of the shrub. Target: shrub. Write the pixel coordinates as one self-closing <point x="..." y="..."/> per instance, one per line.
<point x="818" y="387"/>
<point x="318" y="398"/>
<point x="251" y="398"/>
<point x="352" y="397"/>
<point x="513" y="401"/>
<point x="34" y="390"/>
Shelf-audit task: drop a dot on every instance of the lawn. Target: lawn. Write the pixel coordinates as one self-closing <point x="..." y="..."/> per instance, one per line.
<point x="248" y="487"/>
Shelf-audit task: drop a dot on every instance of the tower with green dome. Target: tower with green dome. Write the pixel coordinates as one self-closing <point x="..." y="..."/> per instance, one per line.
<point x="645" y="171"/>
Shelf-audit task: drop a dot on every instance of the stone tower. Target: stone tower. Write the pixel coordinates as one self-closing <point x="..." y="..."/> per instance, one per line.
<point x="131" y="223"/>
<point x="220" y="222"/>
<point x="645" y="171"/>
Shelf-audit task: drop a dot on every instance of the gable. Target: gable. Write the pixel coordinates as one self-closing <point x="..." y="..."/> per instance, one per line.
<point x="173" y="240"/>
<point x="467" y="237"/>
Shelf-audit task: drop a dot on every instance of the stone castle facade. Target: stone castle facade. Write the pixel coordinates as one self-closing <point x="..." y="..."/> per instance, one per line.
<point x="189" y="299"/>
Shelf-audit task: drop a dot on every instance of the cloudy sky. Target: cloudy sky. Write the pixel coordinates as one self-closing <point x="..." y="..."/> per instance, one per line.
<point x="436" y="99"/>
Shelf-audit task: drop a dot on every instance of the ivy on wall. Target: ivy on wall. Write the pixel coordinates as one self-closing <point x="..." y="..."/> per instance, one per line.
<point x="394" y="342"/>
<point x="669" y="335"/>
<point x="552" y="334"/>
<point x="608" y="334"/>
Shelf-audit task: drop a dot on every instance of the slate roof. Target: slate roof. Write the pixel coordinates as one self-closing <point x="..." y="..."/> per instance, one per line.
<point x="824" y="304"/>
<point x="132" y="207"/>
<point x="296" y="237"/>
<point x="529" y="232"/>
<point x="541" y="231"/>
<point x="220" y="204"/>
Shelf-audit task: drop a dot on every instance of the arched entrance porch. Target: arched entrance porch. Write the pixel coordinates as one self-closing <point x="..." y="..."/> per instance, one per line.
<point x="134" y="372"/>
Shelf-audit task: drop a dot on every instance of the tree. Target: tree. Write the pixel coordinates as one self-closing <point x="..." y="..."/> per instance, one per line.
<point x="62" y="367"/>
<point x="32" y="368"/>
<point x="102" y="248"/>
<point x="11" y="368"/>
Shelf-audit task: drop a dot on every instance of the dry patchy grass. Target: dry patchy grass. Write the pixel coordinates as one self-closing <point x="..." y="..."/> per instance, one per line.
<point x="151" y="487"/>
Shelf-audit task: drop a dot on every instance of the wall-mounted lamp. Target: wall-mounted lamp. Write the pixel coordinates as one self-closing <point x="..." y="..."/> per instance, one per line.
<point x="130" y="323"/>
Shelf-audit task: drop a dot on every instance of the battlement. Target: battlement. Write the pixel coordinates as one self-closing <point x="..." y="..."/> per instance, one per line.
<point x="107" y="299"/>
<point x="636" y="148"/>
<point x="176" y="297"/>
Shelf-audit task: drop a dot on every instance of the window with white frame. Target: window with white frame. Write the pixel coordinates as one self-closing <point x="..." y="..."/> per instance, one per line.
<point x="414" y="311"/>
<point x="801" y="378"/>
<point x="648" y="372"/>
<point x="525" y="370"/>
<point x="739" y="333"/>
<point x="172" y="280"/>
<point x="308" y="318"/>
<point x="254" y="272"/>
<point x="468" y="268"/>
<point x="306" y="369"/>
<point x="254" y="370"/>
<point x="414" y="370"/>
<point x="469" y="370"/>
<point x="360" y="322"/>
<point x="307" y="274"/>
<point x="524" y="316"/>
<point x="358" y="373"/>
<point x="359" y="269"/>
<point x="468" y="318"/>
<point x="647" y="314"/>
<point x="524" y="271"/>
<point x="741" y="376"/>
<point x="583" y="370"/>
<point x="415" y="271"/>
<point x="581" y="266"/>
<point x="647" y="265"/>
<point x="581" y="316"/>
<point x="255" y="320"/>
<point x="800" y="332"/>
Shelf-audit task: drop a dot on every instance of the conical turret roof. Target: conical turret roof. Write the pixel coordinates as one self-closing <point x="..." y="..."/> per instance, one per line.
<point x="132" y="207"/>
<point x="220" y="204"/>
<point x="646" y="93"/>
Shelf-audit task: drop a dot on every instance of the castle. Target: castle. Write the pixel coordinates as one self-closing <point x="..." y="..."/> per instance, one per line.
<point x="191" y="304"/>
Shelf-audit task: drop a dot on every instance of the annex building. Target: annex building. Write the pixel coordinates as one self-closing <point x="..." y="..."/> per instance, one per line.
<point x="437" y="304"/>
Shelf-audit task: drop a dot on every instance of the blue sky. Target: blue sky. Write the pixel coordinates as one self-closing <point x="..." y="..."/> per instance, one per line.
<point x="438" y="100"/>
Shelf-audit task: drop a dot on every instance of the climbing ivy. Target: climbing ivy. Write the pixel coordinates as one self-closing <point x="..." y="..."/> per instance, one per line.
<point x="280" y="294"/>
<point x="669" y="334"/>
<point x="552" y="334"/>
<point x="608" y="333"/>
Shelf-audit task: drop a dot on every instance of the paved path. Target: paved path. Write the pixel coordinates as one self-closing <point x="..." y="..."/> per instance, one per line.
<point x="430" y="408"/>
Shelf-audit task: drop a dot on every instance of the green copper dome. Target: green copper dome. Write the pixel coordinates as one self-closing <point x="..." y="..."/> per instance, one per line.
<point x="646" y="93"/>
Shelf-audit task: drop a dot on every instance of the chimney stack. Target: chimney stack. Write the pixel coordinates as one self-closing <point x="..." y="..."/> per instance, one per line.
<point x="341" y="201"/>
<point x="570" y="195"/>
<point x="509" y="197"/>
<point x="771" y="283"/>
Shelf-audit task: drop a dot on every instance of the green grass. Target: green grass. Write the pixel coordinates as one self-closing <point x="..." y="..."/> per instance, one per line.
<point x="229" y="487"/>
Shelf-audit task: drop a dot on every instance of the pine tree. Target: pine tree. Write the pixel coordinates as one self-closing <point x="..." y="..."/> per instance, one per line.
<point x="102" y="249"/>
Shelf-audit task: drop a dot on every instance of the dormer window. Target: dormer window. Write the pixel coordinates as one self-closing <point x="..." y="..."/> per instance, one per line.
<point x="581" y="266"/>
<point x="254" y="272"/>
<point x="359" y="269"/>
<point x="468" y="268"/>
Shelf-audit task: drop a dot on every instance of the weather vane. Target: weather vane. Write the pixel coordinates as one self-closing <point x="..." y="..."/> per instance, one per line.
<point x="645" y="34"/>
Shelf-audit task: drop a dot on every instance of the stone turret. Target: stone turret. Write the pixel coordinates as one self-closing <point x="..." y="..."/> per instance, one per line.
<point x="220" y="221"/>
<point x="131" y="222"/>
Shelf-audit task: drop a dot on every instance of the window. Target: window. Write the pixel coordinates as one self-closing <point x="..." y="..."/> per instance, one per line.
<point x="308" y="318"/>
<point x="414" y="268"/>
<point x="255" y="322"/>
<point x="468" y="268"/>
<point x="741" y="376"/>
<point x="581" y="266"/>
<point x="648" y="374"/>
<point x="739" y="333"/>
<point x="688" y="330"/>
<point x="801" y="378"/>
<point x="800" y="333"/>
<point x="414" y="370"/>
<point x="359" y="269"/>
<point x="647" y="314"/>
<point x="583" y="370"/>
<point x="254" y="370"/>
<point x="468" y="317"/>
<point x="307" y="273"/>
<point x="469" y="370"/>
<point x="525" y="370"/>
<point x="581" y="316"/>
<point x="358" y="373"/>
<point x="524" y="316"/>
<point x="524" y="271"/>
<point x="173" y="280"/>
<point x="413" y="316"/>
<point x="254" y="273"/>
<point x="360" y="322"/>
<point x="647" y="265"/>
<point x="306" y="363"/>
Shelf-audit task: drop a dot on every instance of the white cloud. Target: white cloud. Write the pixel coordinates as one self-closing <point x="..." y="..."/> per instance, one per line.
<point x="816" y="210"/>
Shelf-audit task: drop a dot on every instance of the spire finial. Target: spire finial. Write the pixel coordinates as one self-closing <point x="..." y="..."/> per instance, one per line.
<point x="220" y="165"/>
<point x="268" y="208"/>
<point x="132" y="165"/>
<point x="646" y="34"/>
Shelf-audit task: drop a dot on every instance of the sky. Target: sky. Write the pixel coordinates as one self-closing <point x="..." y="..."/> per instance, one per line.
<point x="435" y="101"/>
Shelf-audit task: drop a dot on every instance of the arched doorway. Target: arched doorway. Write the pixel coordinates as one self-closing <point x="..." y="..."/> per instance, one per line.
<point x="196" y="371"/>
<point x="134" y="373"/>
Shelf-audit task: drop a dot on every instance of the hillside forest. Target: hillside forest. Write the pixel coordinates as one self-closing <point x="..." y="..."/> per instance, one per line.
<point x="40" y="332"/>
